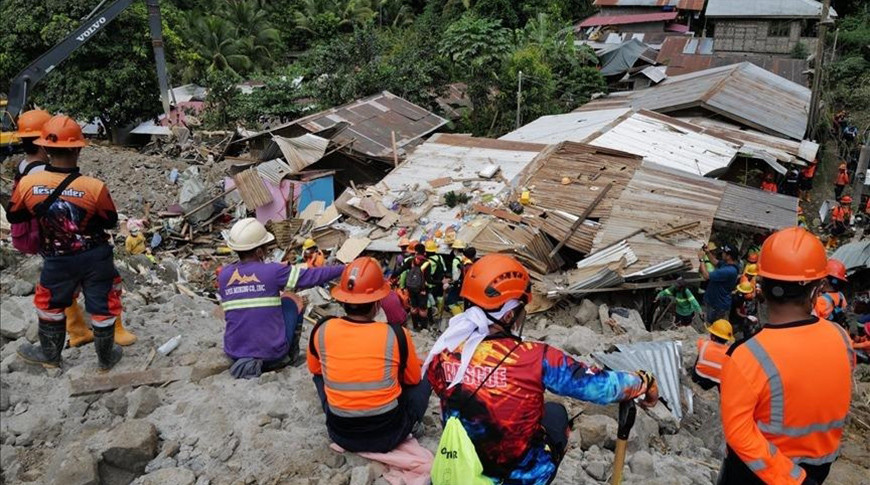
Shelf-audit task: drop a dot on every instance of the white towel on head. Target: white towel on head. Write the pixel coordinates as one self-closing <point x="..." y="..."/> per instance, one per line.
<point x="471" y="327"/>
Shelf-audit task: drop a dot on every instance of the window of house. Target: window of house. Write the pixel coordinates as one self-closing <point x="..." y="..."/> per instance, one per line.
<point x="809" y="28"/>
<point x="779" y="28"/>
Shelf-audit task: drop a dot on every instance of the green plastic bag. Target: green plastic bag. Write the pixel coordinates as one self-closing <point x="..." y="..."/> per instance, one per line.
<point x="456" y="462"/>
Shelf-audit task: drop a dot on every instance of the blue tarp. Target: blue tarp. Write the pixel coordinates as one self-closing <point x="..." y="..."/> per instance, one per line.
<point x="317" y="189"/>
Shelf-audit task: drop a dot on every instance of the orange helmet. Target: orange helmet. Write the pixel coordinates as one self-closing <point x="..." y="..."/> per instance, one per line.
<point x="30" y="123"/>
<point x="752" y="257"/>
<point x="837" y="269"/>
<point x="362" y="281"/>
<point x="404" y="242"/>
<point x="842" y="167"/>
<point x="793" y="254"/>
<point x="61" y="132"/>
<point x="494" y="279"/>
<point x="846" y="199"/>
<point x="412" y="245"/>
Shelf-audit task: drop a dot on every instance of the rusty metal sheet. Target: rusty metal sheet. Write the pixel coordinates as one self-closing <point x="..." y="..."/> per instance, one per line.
<point x="754" y="207"/>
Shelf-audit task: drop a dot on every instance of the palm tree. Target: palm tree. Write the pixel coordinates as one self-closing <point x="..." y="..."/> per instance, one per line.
<point x="258" y="39"/>
<point x="216" y="40"/>
<point x="346" y="12"/>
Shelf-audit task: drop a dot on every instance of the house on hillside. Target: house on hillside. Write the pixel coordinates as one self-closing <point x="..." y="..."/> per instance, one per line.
<point x="763" y="26"/>
<point x="641" y="16"/>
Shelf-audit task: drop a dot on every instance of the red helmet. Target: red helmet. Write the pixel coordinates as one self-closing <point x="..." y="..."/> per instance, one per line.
<point x="846" y="199"/>
<point x="793" y="254"/>
<point x="362" y="281"/>
<point x="837" y="269"/>
<point x="495" y="279"/>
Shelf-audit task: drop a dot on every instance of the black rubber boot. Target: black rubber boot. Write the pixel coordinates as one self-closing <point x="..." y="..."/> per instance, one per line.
<point x="295" y="354"/>
<point x="108" y="354"/>
<point x="52" y="336"/>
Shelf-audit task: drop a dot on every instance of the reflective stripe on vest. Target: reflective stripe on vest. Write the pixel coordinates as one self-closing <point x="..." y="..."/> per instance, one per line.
<point x="795" y="472"/>
<point x="776" y="425"/>
<point x="386" y="383"/>
<point x="295" y="271"/>
<point x="267" y="301"/>
<point x="703" y="361"/>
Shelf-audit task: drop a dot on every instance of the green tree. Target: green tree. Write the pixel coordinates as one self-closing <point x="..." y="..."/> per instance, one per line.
<point x="323" y="19"/>
<point x="222" y="97"/>
<point x="216" y="41"/>
<point x="280" y="97"/>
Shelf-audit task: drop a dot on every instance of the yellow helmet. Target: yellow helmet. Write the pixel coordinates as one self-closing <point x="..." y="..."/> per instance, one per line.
<point x="459" y="244"/>
<point x="745" y="287"/>
<point x="711" y="246"/>
<point x="431" y="246"/>
<point x="722" y="329"/>
<point x="308" y="244"/>
<point x="751" y="269"/>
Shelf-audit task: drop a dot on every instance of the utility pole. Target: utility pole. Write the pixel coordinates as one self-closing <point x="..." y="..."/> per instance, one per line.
<point x="813" y="117"/>
<point x="519" y="99"/>
<point x="860" y="177"/>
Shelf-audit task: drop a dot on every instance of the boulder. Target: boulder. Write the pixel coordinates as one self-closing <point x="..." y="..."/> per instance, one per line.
<point x="21" y="288"/>
<point x="362" y="475"/>
<point x="142" y="402"/>
<point x="582" y="341"/>
<point x="668" y="424"/>
<point x="116" y="402"/>
<point x="73" y="465"/>
<point x="168" y="476"/>
<point x="632" y="323"/>
<point x="13" y="325"/>
<point x="587" y="315"/>
<point x="597" y="470"/>
<point x="597" y="430"/>
<point x="645" y="429"/>
<point x="131" y="445"/>
<point x="641" y="463"/>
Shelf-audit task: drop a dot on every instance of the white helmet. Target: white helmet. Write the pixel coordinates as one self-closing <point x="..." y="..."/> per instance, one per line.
<point x="248" y="234"/>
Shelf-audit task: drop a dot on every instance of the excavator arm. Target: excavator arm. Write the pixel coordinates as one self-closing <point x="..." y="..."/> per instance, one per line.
<point x="23" y="83"/>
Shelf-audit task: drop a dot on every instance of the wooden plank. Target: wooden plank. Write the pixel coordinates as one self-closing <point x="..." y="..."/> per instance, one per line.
<point x="440" y="182"/>
<point x="582" y="218"/>
<point x="500" y="213"/>
<point x="389" y="220"/>
<point x="108" y="382"/>
<point x="352" y="248"/>
<point x="252" y="189"/>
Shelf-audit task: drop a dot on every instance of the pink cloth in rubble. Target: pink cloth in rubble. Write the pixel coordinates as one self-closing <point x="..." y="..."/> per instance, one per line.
<point x="408" y="464"/>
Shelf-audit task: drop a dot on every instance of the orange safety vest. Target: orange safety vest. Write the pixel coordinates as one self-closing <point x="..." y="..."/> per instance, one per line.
<point x="711" y="358"/>
<point x="839" y="214"/>
<point x="315" y="260"/>
<point x="809" y="171"/>
<point x="842" y="178"/>
<point x="359" y="363"/>
<point x="769" y="186"/>
<point x="779" y="409"/>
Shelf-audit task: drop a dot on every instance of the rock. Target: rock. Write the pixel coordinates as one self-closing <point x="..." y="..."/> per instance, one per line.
<point x="32" y="332"/>
<point x="116" y="402"/>
<point x="169" y="476"/>
<point x="226" y="451"/>
<point x="8" y="456"/>
<point x="74" y="465"/>
<point x="13" y="325"/>
<point x="645" y="429"/>
<point x="604" y="316"/>
<point x="641" y="463"/>
<point x="4" y="399"/>
<point x="21" y="288"/>
<point x="160" y="463"/>
<point x="362" y="475"/>
<point x="170" y="449"/>
<point x="131" y="445"/>
<point x="597" y="470"/>
<point x="587" y="315"/>
<point x="597" y="430"/>
<point x="668" y="424"/>
<point x="582" y="341"/>
<point x="633" y="323"/>
<point x="143" y="401"/>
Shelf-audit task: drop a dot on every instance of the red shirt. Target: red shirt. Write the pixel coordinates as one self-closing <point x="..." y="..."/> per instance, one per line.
<point x="842" y="178"/>
<point x="769" y="186"/>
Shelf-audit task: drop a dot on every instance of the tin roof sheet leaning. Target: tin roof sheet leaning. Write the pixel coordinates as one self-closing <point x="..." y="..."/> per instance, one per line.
<point x="662" y="359"/>
<point x="750" y="206"/>
<point x="744" y="93"/>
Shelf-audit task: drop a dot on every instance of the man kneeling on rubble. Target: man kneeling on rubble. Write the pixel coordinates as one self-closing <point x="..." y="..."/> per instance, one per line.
<point x="263" y="316"/>
<point x="367" y="373"/>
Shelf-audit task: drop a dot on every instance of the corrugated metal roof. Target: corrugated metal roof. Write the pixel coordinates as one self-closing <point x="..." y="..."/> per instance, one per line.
<point x="370" y="122"/>
<point x="589" y="169"/>
<point x="783" y="149"/>
<point x="565" y="127"/>
<point x="690" y="54"/>
<point x="656" y="199"/>
<point x="754" y="207"/>
<point x="854" y="255"/>
<point x="765" y="8"/>
<point x="743" y="92"/>
<point x="662" y="359"/>
<point x="623" y="57"/>
<point x="694" y="5"/>
<point x="667" y="141"/>
<point x="597" y="20"/>
<point x="635" y="3"/>
<point x="458" y="157"/>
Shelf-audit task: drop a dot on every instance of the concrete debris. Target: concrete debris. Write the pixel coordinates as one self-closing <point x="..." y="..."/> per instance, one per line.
<point x="16" y="314"/>
<point x="597" y="430"/>
<point x="143" y="401"/>
<point x="167" y="476"/>
<point x="130" y="445"/>
<point x="74" y="465"/>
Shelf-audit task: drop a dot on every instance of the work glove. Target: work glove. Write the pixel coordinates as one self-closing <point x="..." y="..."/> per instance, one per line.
<point x="651" y="390"/>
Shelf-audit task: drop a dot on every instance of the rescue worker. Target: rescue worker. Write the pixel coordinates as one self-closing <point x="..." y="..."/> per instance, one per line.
<point x="769" y="183"/>
<point x="494" y="382"/>
<point x="367" y="373"/>
<point x="786" y="391"/>
<point x="685" y="304"/>
<point x="711" y="354"/>
<point x="413" y="280"/>
<point x="262" y="314"/>
<point x="750" y="274"/>
<point x="839" y="220"/>
<point x="806" y="179"/>
<point x="458" y="264"/>
<point x="802" y="218"/>
<point x="435" y="270"/>
<point x="398" y="260"/>
<point x="35" y="159"/>
<point x="312" y="256"/>
<point x="75" y="246"/>
<point x="720" y="282"/>
<point x="706" y="261"/>
<point x="841" y="181"/>
<point x="135" y="242"/>
<point x="746" y="308"/>
<point x="831" y="303"/>
<point x="791" y="184"/>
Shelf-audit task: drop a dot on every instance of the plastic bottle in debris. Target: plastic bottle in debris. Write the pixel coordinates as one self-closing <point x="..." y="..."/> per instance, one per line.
<point x="170" y="345"/>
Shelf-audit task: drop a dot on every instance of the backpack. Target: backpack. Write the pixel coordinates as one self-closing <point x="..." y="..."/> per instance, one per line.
<point x="26" y="236"/>
<point x="457" y="461"/>
<point x="438" y="267"/>
<point x="415" y="281"/>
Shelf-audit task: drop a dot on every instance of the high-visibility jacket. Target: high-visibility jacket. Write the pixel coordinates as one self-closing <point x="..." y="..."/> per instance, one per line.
<point x="711" y="358"/>
<point x="315" y="259"/>
<point x="809" y="171"/>
<point x="359" y="363"/>
<point x="769" y="186"/>
<point x="785" y="394"/>
<point x="830" y="302"/>
<point x="842" y="178"/>
<point x="839" y="214"/>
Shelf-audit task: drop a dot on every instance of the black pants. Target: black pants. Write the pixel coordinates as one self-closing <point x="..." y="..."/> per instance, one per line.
<point x="838" y="191"/>
<point x="412" y="406"/>
<point x="557" y="426"/>
<point x="735" y="472"/>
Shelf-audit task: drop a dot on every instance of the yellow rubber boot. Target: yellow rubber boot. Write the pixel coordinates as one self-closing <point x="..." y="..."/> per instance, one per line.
<point x="78" y="330"/>
<point x="122" y="335"/>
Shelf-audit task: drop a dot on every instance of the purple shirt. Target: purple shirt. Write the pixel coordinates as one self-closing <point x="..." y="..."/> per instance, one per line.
<point x="393" y="308"/>
<point x="250" y="295"/>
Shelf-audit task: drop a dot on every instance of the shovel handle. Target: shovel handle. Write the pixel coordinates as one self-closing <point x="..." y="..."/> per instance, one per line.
<point x="627" y="414"/>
